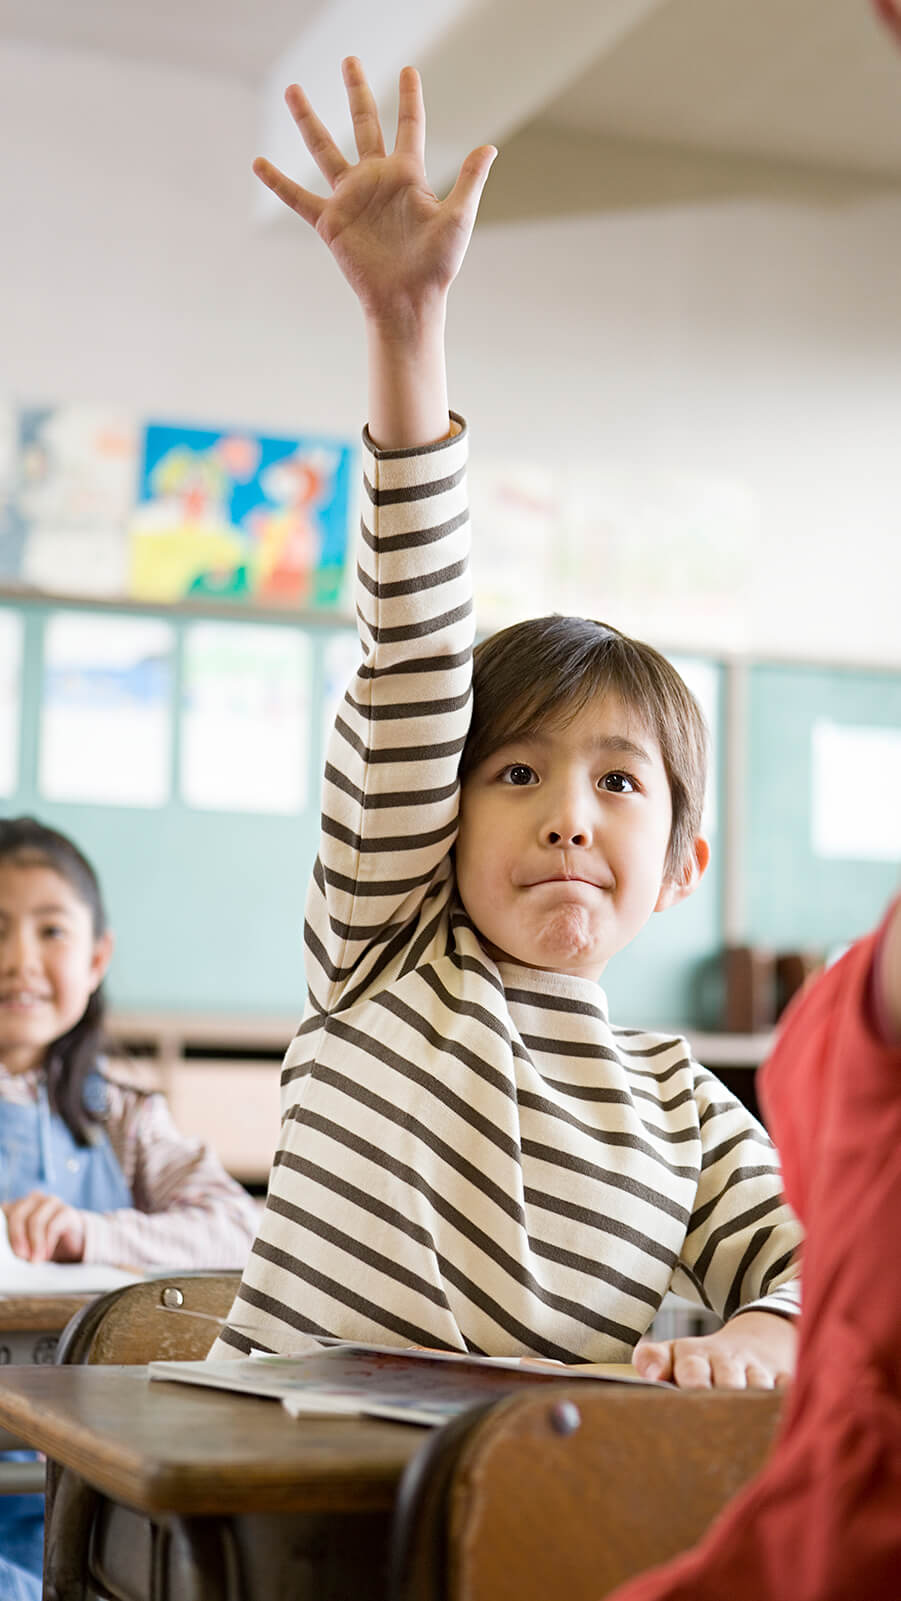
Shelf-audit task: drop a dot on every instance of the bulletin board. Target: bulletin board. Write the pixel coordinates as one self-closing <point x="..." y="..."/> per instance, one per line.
<point x="797" y="896"/>
<point x="207" y="905"/>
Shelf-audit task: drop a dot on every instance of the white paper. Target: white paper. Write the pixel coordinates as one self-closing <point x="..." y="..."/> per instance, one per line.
<point x="856" y="792"/>
<point x="106" y="719"/>
<point x="246" y="716"/>
<point x="18" y="1277"/>
<point x="11" y="636"/>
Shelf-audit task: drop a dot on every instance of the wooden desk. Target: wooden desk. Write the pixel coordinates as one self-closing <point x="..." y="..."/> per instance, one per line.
<point x="188" y="1489"/>
<point x="30" y="1327"/>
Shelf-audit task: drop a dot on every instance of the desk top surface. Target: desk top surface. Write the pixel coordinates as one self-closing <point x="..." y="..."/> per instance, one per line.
<point x="170" y="1447"/>
<point x="41" y="1313"/>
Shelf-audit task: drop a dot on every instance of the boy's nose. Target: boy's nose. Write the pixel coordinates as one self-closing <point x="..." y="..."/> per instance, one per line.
<point x="565" y="837"/>
<point x="567" y="824"/>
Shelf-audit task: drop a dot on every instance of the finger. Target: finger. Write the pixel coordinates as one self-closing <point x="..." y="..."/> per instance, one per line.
<point x="758" y="1377"/>
<point x="727" y="1372"/>
<point x="363" y="110"/>
<point x="315" y="135"/>
<point x="15" y="1227"/>
<point x="38" y="1222"/>
<point x="467" y="191"/>
<point x="653" y="1359"/>
<point x="65" y="1236"/>
<point x="303" y="201"/>
<point x="691" y="1369"/>
<point x="410" y="140"/>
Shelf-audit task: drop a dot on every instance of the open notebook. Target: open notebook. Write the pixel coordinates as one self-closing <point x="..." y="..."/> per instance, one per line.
<point x="407" y="1384"/>
<point x="18" y="1277"/>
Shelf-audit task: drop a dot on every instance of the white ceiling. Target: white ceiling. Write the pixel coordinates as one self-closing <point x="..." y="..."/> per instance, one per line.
<point x="804" y="80"/>
<point x="236" y="38"/>
<point x="812" y="81"/>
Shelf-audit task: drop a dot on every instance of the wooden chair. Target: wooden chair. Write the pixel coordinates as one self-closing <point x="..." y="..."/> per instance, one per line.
<point x="570" y="1492"/>
<point x="172" y="1318"/>
<point x="94" y="1548"/>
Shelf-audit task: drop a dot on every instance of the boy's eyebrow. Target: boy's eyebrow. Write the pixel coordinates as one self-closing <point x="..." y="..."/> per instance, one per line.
<point x="603" y="743"/>
<point x="618" y="742"/>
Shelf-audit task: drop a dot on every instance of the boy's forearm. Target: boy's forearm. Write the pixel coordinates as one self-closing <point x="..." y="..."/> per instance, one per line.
<point x="408" y="404"/>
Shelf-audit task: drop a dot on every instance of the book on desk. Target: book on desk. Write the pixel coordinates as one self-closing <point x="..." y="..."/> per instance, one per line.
<point x="349" y="1379"/>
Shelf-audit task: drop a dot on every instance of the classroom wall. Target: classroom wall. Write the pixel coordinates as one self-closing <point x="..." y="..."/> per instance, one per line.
<point x="741" y="350"/>
<point x="746" y="345"/>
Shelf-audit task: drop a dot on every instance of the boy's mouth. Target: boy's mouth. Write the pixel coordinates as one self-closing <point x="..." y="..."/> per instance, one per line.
<point x="566" y="878"/>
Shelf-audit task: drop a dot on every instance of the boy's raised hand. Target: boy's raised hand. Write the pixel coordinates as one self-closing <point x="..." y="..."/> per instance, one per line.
<point x="396" y="243"/>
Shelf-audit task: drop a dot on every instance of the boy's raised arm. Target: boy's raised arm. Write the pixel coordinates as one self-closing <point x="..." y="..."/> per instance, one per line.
<point x="397" y="245"/>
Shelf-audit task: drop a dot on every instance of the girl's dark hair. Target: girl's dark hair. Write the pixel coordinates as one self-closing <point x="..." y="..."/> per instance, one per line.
<point x="548" y="668"/>
<point x="68" y="1060"/>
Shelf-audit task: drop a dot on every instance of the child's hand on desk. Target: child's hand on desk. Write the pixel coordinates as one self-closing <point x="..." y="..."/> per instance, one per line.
<point x="754" y="1351"/>
<point x="394" y="241"/>
<point x="42" y="1228"/>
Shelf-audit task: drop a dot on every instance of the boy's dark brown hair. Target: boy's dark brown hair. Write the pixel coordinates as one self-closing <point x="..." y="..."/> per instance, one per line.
<point x="546" y="669"/>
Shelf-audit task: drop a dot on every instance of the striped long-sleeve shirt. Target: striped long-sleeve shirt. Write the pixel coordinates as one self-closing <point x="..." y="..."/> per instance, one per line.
<point x="471" y="1155"/>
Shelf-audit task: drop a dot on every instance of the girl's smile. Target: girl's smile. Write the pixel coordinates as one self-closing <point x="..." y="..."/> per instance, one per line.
<point x="50" y="960"/>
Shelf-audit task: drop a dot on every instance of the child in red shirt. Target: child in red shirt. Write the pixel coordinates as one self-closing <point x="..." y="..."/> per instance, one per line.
<point x="822" y="1522"/>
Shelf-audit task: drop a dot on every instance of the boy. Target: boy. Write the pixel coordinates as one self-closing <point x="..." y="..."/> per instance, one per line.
<point x="471" y="1157"/>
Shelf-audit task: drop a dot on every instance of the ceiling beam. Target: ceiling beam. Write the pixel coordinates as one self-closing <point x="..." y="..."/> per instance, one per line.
<point x="488" y="68"/>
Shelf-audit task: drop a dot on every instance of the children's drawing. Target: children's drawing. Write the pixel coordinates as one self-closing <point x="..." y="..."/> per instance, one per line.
<point x="72" y="474"/>
<point x="240" y="517"/>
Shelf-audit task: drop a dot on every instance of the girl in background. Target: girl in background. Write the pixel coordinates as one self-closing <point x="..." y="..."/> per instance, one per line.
<point x="92" y="1168"/>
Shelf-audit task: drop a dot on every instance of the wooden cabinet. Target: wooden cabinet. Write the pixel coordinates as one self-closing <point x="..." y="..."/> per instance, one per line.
<point x="220" y="1076"/>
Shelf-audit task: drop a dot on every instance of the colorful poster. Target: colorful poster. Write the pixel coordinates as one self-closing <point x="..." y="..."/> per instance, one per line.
<point x="11" y="638"/>
<point x="245" y="718"/>
<point x="106" y="721"/>
<point x="239" y="517"/>
<point x="73" y="482"/>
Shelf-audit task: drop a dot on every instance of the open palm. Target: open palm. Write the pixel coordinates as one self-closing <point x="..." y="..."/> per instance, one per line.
<point x="394" y="241"/>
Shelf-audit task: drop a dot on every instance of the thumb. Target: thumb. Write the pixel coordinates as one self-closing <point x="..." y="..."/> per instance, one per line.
<point x="467" y="191"/>
<point x="653" y="1359"/>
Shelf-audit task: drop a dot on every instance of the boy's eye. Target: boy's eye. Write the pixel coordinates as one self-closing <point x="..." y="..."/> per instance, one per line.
<point x="519" y="773"/>
<point x="53" y="931"/>
<point x="618" y="784"/>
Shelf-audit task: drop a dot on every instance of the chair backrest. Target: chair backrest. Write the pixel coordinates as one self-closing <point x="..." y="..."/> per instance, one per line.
<point x="151" y="1320"/>
<point x="570" y="1492"/>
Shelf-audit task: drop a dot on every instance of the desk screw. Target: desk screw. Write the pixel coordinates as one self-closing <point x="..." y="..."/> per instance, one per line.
<point x="565" y="1417"/>
<point x="172" y="1296"/>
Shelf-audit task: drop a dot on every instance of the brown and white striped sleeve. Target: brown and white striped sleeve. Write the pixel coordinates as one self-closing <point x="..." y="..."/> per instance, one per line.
<point x="390" y="793"/>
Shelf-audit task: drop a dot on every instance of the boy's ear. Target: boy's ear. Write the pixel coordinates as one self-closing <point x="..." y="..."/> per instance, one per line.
<point x="676" y="889"/>
<point x="103" y="954"/>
